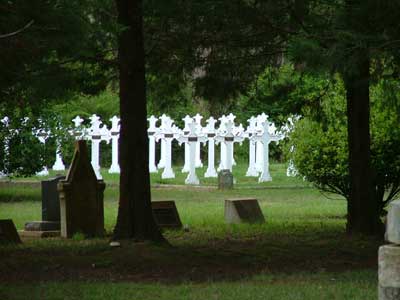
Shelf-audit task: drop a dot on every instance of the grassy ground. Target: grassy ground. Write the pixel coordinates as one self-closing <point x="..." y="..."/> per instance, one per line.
<point x="301" y="252"/>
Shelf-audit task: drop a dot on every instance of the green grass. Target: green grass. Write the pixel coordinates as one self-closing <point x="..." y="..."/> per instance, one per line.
<point x="278" y="173"/>
<point x="317" y="286"/>
<point x="301" y="252"/>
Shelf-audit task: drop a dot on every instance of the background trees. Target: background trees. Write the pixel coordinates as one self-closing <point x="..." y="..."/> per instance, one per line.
<point x="214" y="52"/>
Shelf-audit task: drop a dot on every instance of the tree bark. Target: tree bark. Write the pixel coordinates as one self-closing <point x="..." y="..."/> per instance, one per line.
<point x="363" y="206"/>
<point x="135" y="218"/>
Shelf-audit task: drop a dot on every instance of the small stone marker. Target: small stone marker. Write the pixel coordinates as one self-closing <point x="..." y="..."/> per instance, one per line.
<point x="50" y="224"/>
<point x="8" y="232"/>
<point x="389" y="257"/>
<point x="393" y="223"/>
<point x="225" y="180"/>
<point x="243" y="211"/>
<point x="166" y="215"/>
<point x="81" y="197"/>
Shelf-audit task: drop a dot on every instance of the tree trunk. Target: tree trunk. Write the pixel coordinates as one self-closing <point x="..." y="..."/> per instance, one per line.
<point x="135" y="218"/>
<point x="363" y="208"/>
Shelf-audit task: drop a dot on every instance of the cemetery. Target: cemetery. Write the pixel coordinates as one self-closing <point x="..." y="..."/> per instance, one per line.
<point x="224" y="219"/>
<point x="222" y="150"/>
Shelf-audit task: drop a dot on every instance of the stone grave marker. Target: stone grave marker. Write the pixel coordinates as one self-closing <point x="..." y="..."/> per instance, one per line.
<point x="243" y="211"/>
<point x="389" y="257"/>
<point x="50" y="224"/>
<point x="225" y="180"/>
<point x="8" y="232"/>
<point x="166" y="215"/>
<point x="81" y="197"/>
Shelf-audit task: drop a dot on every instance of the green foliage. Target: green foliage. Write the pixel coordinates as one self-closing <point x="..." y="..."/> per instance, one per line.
<point x="65" y="49"/>
<point x="321" y="148"/>
<point x="23" y="153"/>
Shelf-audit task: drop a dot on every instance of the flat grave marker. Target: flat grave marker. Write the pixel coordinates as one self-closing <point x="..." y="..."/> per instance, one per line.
<point x="243" y="211"/>
<point x="166" y="215"/>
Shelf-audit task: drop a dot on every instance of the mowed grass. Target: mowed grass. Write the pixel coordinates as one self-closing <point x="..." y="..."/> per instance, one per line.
<point x="301" y="252"/>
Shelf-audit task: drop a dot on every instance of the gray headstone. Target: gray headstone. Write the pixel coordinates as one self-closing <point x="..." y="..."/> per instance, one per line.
<point x="393" y="223"/>
<point x="243" y="211"/>
<point x="165" y="214"/>
<point x="8" y="232"/>
<point x="81" y="197"/>
<point x="50" y="199"/>
<point x="225" y="180"/>
<point x="389" y="272"/>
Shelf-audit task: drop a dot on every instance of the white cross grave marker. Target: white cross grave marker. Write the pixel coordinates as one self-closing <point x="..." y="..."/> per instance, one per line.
<point x="228" y="138"/>
<point x="211" y="132"/>
<point x="192" y="139"/>
<point x="151" y="131"/>
<point x="222" y="120"/>
<point x="261" y="119"/>
<point x="251" y="130"/>
<point x="265" y="137"/>
<point x="187" y="119"/>
<point x="114" y="135"/>
<point x="197" y="119"/>
<point x="164" y="120"/>
<point x="97" y="134"/>
<point x="78" y="131"/>
<point x="167" y="134"/>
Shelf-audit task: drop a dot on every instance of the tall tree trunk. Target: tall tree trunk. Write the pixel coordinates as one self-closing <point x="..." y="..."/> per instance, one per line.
<point x="135" y="218"/>
<point x="363" y="208"/>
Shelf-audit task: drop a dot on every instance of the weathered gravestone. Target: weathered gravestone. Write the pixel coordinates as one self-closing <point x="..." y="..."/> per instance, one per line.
<point x="50" y="224"/>
<point x="225" y="180"/>
<point x="8" y="233"/>
<point x="243" y="211"/>
<point x="166" y="215"/>
<point x="389" y="256"/>
<point x="81" y="197"/>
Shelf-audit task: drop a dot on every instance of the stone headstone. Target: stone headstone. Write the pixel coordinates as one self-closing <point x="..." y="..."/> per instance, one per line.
<point x="166" y="215"/>
<point x="389" y="272"/>
<point x="8" y="232"/>
<point x="393" y="223"/>
<point x="225" y="180"/>
<point x="81" y="197"/>
<point x="50" y="212"/>
<point x="243" y="211"/>
<point x="50" y="199"/>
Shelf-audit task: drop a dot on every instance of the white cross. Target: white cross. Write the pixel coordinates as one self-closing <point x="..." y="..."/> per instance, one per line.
<point x="211" y="132"/>
<point x="114" y="135"/>
<point x="167" y="134"/>
<point x="192" y="139"/>
<point x="228" y="138"/>
<point x="264" y="137"/>
<point x="187" y="119"/>
<point x="251" y="130"/>
<point x="152" y="143"/>
<point x="197" y="119"/>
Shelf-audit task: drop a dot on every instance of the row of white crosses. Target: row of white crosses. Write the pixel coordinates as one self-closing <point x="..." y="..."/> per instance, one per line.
<point x="259" y="132"/>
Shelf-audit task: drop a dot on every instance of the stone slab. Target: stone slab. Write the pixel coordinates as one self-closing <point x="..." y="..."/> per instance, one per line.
<point x="8" y="232"/>
<point x="243" y="211"/>
<point x="50" y="199"/>
<point x="389" y="272"/>
<point x="166" y="215"/>
<point x="39" y="234"/>
<point x="225" y="180"/>
<point x="393" y="223"/>
<point x="42" y="226"/>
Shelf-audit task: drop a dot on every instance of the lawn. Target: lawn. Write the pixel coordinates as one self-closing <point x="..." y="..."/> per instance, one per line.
<point x="301" y="252"/>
